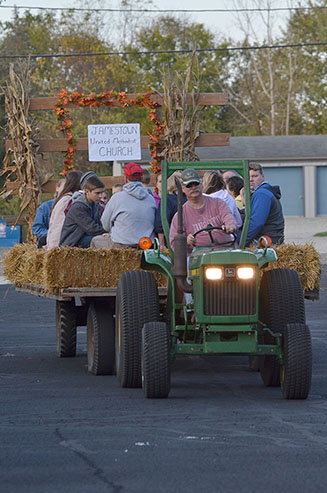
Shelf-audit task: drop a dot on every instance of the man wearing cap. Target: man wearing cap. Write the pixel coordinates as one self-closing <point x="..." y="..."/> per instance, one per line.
<point x="200" y="210"/>
<point x="129" y="214"/>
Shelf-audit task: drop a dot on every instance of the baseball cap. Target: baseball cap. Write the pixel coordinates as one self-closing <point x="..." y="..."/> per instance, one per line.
<point x="133" y="171"/>
<point x="190" y="175"/>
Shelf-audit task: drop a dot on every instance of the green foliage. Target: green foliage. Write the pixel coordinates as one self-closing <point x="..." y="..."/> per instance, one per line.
<point x="276" y="91"/>
<point x="9" y="206"/>
<point x="309" y="26"/>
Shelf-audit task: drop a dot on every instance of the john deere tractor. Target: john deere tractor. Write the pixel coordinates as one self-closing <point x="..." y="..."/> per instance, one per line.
<point x="232" y="306"/>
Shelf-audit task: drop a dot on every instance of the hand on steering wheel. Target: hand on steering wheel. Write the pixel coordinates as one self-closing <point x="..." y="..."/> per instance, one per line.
<point x="209" y="228"/>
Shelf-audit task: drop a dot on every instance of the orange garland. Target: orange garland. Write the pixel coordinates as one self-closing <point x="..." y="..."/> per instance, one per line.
<point x="107" y="98"/>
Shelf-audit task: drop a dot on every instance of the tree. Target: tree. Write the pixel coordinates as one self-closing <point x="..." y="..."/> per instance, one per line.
<point x="263" y="83"/>
<point x="168" y="33"/>
<point x="309" y="26"/>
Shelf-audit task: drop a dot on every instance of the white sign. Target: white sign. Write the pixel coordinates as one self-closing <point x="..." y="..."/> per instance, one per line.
<point x="121" y="142"/>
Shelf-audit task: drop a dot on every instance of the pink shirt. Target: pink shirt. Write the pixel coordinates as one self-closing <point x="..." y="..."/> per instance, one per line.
<point x="214" y="211"/>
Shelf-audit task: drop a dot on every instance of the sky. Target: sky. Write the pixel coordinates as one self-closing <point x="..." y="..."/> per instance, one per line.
<point x="221" y="24"/>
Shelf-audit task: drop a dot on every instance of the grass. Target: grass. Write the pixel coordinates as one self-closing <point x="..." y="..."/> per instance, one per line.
<point x="323" y="233"/>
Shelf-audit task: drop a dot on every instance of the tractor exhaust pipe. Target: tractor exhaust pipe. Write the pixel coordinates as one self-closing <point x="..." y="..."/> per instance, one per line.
<point x="180" y="246"/>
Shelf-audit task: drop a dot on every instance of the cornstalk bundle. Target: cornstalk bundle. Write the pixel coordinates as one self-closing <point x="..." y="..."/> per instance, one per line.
<point x="182" y="121"/>
<point x="20" y="160"/>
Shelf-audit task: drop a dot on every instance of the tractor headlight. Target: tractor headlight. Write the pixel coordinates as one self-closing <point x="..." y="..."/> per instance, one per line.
<point x="214" y="273"/>
<point x="245" y="272"/>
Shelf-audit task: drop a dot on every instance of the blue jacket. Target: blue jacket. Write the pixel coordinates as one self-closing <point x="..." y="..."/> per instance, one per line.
<point x="42" y="217"/>
<point x="266" y="214"/>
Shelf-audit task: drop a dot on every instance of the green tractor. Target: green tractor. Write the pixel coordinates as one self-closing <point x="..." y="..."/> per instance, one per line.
<point x="234" y="308"/>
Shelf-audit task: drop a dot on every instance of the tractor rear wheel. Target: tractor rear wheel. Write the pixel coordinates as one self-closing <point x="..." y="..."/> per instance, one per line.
<point x="281" y="302"/>
<point x="66" y="328"/>
<point x="155" y="360"/>
<point x="137" y="302"/>
<point x="100" y="339"/>
<point x="297" y="367"/>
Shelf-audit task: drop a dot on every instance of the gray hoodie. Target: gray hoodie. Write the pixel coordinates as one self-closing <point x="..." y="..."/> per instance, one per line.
<point x="129" y="215"/>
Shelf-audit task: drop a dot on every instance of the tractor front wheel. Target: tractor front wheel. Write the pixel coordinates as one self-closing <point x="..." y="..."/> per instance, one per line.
<point x="297" y="367"/>
<point x="280" y="303"/>
<point x="155" y="360"/>
<point x="137" y="302"/>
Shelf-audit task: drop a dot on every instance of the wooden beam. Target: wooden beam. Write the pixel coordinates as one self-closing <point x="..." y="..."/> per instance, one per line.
<point x="60" y="145"/>
<point x="205" y="99"/>
<point x="50" y="186"/>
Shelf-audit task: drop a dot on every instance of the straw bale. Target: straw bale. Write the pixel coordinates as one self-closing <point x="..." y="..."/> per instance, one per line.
<point x="79" y="267"/>
<point x="64" y="267"/>
<point x="302" y="258"/>
<point x="24" y="263"/>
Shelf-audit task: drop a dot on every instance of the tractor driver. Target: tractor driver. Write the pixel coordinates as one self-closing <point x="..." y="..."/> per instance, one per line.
<point x="200" y="210"/>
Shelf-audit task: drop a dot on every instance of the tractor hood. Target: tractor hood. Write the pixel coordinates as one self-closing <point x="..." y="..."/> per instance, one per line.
<point x="211" y="256"/>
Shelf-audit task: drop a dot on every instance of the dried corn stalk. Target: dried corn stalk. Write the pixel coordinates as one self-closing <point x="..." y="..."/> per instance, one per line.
<point x="20" y="160"/>
<point x="182" y="120"/>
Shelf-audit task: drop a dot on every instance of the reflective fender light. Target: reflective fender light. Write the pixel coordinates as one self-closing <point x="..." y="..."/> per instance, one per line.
<point x="265" y="241"/>
<point x="145" y="243"/>
<point x="245" y="272"/>
<point x="214" y="273"/>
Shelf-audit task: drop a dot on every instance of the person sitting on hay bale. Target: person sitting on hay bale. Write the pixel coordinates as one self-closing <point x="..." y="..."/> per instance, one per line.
<point x="40" y="225"/>
<point x="214" y="185"/>
<point x="267" y="217"/>
<point x="83" y="219"/>
<point x="129" y="215"/>
<point x="57" y="214"/>
<point x="234" y="185"/>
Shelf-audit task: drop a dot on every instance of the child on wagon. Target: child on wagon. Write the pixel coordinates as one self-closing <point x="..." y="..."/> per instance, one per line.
<point x="83" y="221"/>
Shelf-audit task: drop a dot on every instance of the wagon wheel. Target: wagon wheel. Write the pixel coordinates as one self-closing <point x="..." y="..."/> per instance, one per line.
<point x="297" y="367"/>
<point x="155" y="360"/>
<point x="66" y="328"/>
<point x="280" y="303"/>
<point x="100" y="339"/>
<point x="137" y="302"/>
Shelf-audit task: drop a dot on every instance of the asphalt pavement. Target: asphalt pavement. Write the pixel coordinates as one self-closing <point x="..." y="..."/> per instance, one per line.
<point x="64" y="430"/>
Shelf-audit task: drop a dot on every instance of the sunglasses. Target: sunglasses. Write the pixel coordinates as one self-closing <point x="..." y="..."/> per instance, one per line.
<point x="192" y="184"/>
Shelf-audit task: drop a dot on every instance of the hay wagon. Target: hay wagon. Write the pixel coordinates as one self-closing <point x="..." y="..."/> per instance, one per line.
<point x="83" y="283"/>
<point x="93" y="307"/>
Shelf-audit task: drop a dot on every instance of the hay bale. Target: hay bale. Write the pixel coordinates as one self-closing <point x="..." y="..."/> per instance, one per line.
<point x="24" y="263"/>
<point x="64" y="267"/>
<point x="78" y="267"/>
<point x="302" y="258"/>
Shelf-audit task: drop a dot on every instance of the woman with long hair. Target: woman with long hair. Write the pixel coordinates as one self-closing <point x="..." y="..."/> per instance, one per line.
<point x="214" y="185"/>
<point x="57" y="214"/>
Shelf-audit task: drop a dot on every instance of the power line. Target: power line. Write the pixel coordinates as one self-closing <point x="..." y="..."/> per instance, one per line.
<point x="158" y="52"/>
<point x="272" y="9"/>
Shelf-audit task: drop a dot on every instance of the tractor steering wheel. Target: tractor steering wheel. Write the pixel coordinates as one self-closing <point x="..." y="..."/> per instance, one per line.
<point x="209" y="228"/>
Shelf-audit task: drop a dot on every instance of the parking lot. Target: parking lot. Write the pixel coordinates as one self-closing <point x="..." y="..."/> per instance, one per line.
<point x="65" y="430"/>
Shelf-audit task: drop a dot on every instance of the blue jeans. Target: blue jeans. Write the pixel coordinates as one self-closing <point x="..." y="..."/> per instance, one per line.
<point x="85" y="241"/>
